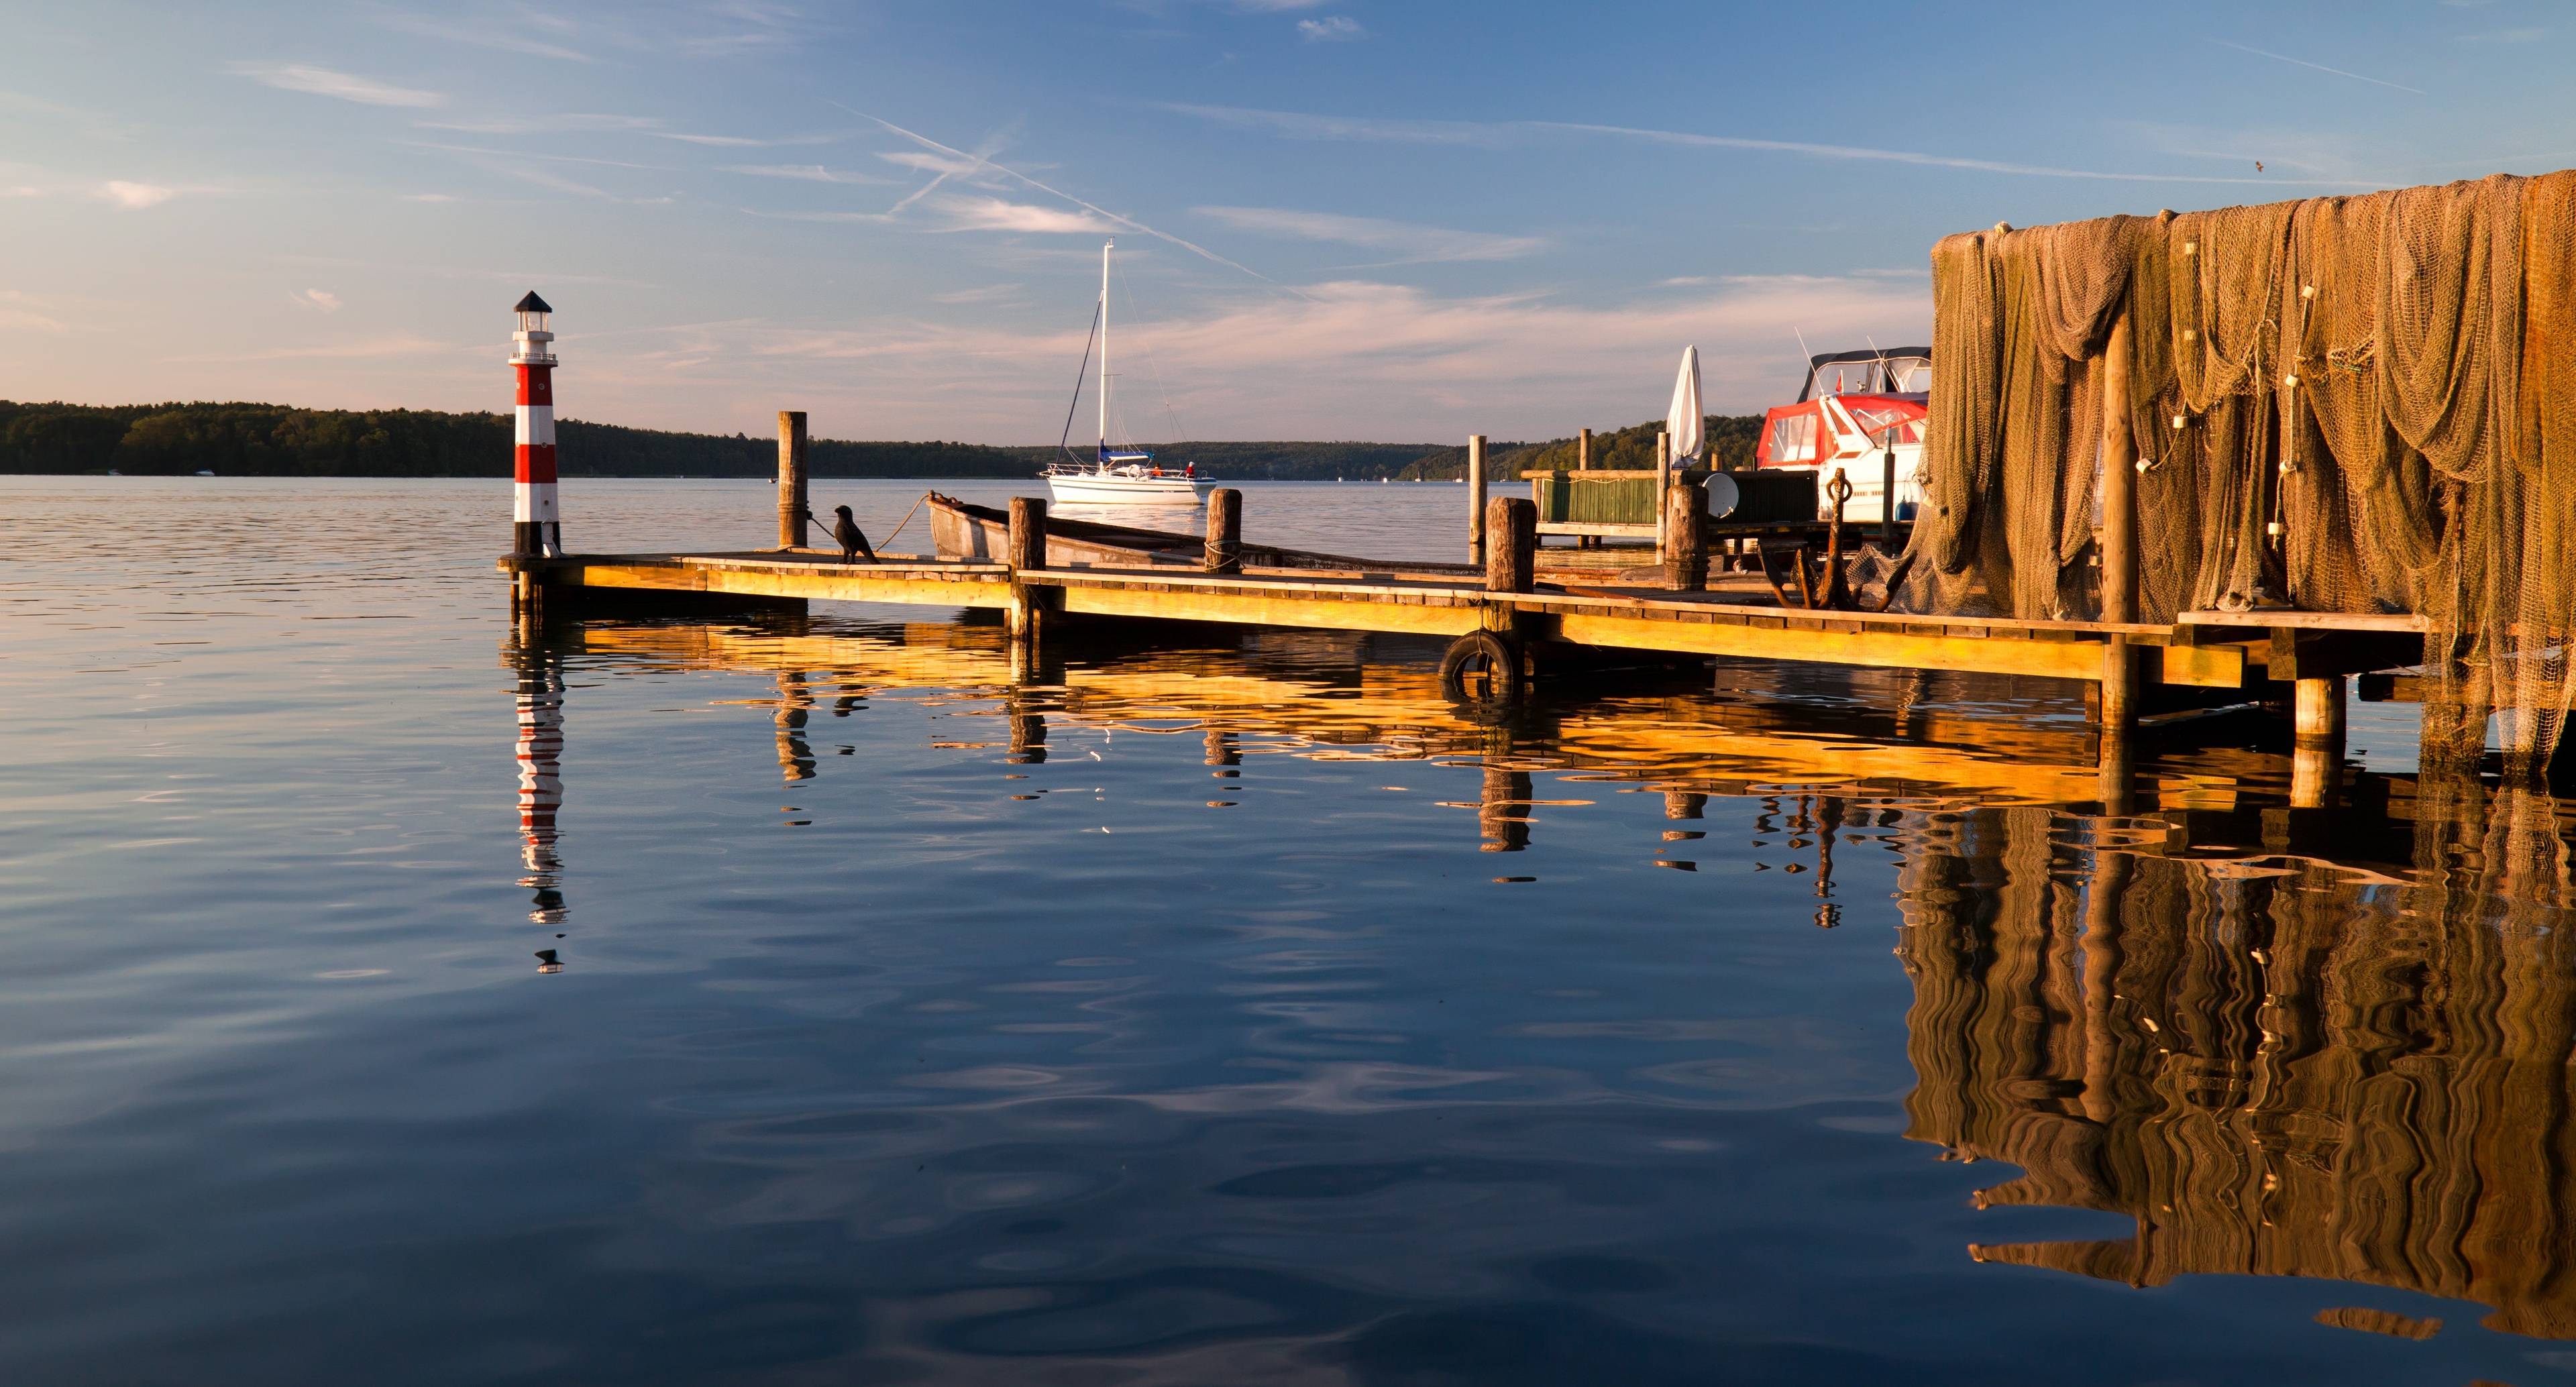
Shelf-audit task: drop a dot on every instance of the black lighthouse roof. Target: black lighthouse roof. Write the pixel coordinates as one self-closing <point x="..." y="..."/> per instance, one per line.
<point x="532" y="304"/>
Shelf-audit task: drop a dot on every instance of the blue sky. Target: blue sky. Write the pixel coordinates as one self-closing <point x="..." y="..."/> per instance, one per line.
<point x="1336" y="218"/>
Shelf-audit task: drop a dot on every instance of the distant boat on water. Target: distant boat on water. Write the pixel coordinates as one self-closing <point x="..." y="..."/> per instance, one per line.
<point x="1123" y="475"/>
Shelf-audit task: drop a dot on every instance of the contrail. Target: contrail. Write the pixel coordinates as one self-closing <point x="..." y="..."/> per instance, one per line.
<point x="2302" y="62"/>
<point x="981" y="161"/>
<point x="982" y="158"/>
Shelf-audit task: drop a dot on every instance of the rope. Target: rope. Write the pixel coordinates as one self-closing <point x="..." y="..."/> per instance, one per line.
<point x="1065" y="439"/>
<point x="907" y="517"/>
<point x="898" y="525"/>
<point x="1152" y="367"/>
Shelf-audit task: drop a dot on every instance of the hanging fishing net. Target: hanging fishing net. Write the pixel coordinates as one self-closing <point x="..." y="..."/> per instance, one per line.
<point x="2347" y="404"/>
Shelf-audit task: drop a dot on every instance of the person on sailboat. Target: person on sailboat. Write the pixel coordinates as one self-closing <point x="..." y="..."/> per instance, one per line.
<point x="845" y="530"/>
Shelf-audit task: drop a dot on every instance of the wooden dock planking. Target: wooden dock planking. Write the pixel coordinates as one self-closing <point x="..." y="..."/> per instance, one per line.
<point x="2202" y="651"/>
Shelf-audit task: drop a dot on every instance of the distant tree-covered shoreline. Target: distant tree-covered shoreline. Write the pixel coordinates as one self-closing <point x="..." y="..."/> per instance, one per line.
<point x="265" y="440"/>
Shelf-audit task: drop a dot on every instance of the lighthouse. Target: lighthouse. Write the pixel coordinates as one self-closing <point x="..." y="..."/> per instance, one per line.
<point x="538" y="529"/>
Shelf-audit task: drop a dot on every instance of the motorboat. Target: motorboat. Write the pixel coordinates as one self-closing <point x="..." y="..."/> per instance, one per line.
<point x="1860" y="416"/>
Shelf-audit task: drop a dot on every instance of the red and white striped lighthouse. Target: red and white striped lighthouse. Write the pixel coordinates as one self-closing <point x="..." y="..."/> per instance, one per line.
<point x="538" y="529"/>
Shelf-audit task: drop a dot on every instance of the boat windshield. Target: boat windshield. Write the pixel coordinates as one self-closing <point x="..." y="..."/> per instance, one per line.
<point x="1894" y="374"/>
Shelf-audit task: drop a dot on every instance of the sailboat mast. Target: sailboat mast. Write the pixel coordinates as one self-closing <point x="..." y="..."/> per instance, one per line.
<point x="1104" y="346"/>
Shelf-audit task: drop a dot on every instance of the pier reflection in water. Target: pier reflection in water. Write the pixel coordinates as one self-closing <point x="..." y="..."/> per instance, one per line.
<point x="2300" y="1043"/>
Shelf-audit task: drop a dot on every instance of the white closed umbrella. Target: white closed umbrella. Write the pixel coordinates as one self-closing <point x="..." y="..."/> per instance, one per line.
<point x="1682" y="425"/>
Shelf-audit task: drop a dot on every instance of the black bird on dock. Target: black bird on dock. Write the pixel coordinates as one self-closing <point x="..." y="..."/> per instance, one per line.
<point x="845" y="529"/>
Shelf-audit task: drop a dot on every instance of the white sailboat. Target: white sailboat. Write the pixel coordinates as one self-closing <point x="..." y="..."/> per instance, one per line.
<point x="1123" y="475"/>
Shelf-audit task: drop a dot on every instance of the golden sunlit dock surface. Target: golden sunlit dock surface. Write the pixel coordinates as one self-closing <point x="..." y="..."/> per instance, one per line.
<point x="2210" y="651"/>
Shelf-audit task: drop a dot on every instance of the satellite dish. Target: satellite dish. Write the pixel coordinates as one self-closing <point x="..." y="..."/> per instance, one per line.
<point x="1721" y="494"/>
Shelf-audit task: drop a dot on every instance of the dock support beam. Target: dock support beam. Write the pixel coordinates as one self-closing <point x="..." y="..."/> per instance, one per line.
<point x="2316" y="753"/>
<point x="791" y="479"/>
<point x="1027" y="555"/>
<point x="1224" y="531"/>
<point x="1686" y="545"/>
<point x="1475" y="498"/>
<point x="2119" y="478"/>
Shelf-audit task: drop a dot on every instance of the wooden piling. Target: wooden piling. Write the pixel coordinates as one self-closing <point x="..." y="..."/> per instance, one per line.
<point x="1511" y="530"/>
<point x="1027" y="555"/>
<point x="1475" y="498"/>
<point x="1686" y="551"/>
<point x="791" y="479"/>
<point x="2118" y="715"/>
<point x="2316" y="752"/>
<point x="2119" y="479"/>
<point x="1224" y="531"/>
<point x="1583" y="463"/>
<point x="1663" y="493"/>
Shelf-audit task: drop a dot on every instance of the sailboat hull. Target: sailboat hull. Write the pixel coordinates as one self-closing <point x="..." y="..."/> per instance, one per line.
<point x="1110" y="489"/>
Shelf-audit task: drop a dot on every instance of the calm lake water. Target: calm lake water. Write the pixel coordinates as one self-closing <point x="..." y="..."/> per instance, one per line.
<point x="386" y="998"/>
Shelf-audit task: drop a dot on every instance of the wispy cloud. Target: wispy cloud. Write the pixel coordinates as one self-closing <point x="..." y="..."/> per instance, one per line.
<point x="136" y="196"/>
<point x="322" y="81"/>
<point x="1128" y="222"/>
<point x="990" y="293"/>
<point x="1381" y="360"/>
<point x="1417" y="243"/>
<point x="375" y="347"/>
<point x="2533" y="35"/>
<point x="1499" y="134"/>
<point x="997" y="214"/>
<point x="520" y="277"/>
<point x="1336" y="28"/>
<point x="531" y="154"/>
<point x="2319" y="67"/>
<point x="1306" y="126"/>
<point x="14" y="312"/>
<point x="535" y="125"/>
<point x="95" y="124"/>
<point x="321" y="299"/>
<point x="504" y="34"/>
<point x="806" y="173"/>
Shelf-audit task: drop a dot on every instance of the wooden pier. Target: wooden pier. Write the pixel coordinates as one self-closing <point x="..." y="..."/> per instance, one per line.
<point x="1507" y="628"/>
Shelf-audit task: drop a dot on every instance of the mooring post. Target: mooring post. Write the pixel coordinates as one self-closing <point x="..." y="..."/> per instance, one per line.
<point x="1686" y="554"/>
<point x="1475" y="498"/>
<point x="1027" y="555"/>
<point x="1511" y="557"/>
<point x="1582" y="463"/>
<point x="1224" y="531"/>
<point x="1663" y="493"/>
<point x="2118" y="705"/>
<point x="1887" y="495"/>
<point x="791" y="479"/>
<point x="2316" y="751"/>
<point x="2119" y="479"/>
